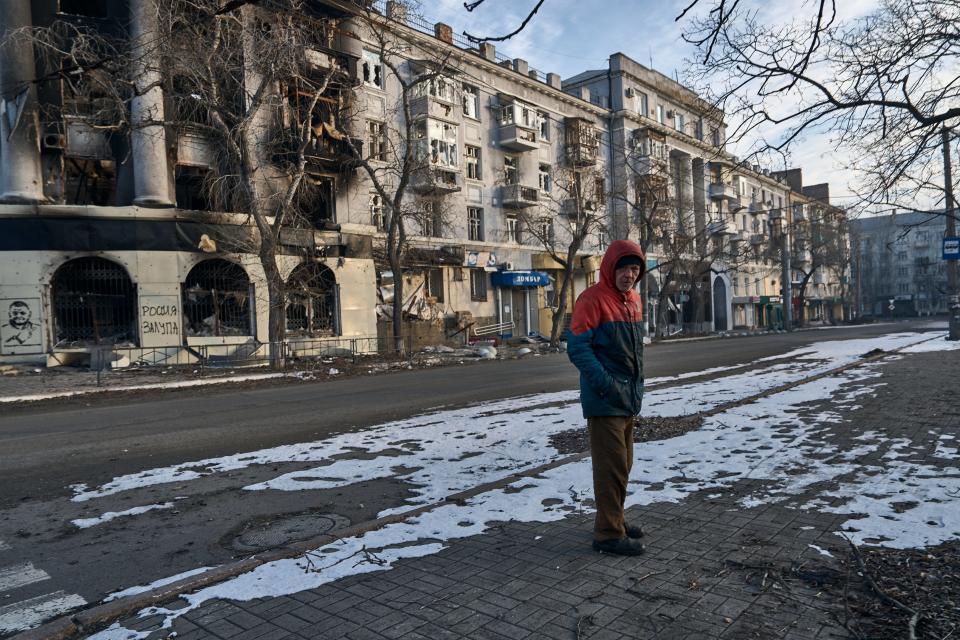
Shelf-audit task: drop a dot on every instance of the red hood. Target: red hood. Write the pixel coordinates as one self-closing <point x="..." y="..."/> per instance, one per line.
<point x="617" y="250"/>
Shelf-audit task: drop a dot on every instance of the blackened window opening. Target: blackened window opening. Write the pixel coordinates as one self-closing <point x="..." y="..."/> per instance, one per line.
<point x="312" y="301"/>
<point x="94" y="302"/>
<point x="191" y="188"/>
<point x="217" y="300"/>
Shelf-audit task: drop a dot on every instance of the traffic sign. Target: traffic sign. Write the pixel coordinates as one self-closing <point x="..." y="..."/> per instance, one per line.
<point x="951" y="248"/>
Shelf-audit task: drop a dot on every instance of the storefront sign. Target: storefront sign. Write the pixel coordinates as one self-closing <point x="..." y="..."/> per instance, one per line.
<point x="951" y="248"/>
<point x="770" y="299"/>
<point x="520" y="279"/>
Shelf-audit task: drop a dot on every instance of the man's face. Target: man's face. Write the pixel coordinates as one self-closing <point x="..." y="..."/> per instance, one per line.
<point x="19" y="315"/>
<point x="626" y="277"/>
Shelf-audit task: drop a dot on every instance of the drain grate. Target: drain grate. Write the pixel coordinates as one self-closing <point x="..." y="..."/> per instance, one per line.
<point x="277" y="531"/>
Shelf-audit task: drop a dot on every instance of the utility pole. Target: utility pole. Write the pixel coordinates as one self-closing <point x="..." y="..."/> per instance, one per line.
<point x="951" y="233"/>
<point x="785" y="276"/>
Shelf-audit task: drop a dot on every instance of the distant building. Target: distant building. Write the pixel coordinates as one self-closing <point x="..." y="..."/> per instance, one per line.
<point x="897" y="266"/>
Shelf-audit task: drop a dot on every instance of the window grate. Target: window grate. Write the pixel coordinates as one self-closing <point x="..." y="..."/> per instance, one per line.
<point x="217" y="300"/>
<point x="94" y="302"/>
<point x="312" y="301"/>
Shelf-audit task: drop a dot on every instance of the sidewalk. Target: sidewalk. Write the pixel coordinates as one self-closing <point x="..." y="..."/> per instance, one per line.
<point x="744" y="518"/>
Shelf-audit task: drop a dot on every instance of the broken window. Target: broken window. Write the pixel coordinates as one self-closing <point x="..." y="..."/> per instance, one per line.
<point x="376" y="212"/>
<point x="94" y="302"/>
<point x="372" y="70"/>
<point x="89" y="182"/>
<point x="88" y="8"/>
<point x="217" y="300"/>
<point x="191" y="188"/>
<point x="478" y="285"/>
<point x="433" y="279"/>
<point x="377" y="139"/>
<point x="319" y="200"/>
<point x="471" y="102"/>
<point x="312" y="301"/>
<point x="473" y="162"/>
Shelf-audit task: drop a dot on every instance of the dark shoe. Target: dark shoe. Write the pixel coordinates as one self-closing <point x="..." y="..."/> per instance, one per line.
<point x="633" y="531"/>
<point x="620" y="547"/>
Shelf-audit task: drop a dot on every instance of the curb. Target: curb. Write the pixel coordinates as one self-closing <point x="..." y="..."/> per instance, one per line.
<point x="102" y="615"/>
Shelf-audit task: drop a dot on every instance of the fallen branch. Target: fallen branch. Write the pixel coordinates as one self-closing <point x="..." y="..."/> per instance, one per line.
<point x="914" y="615"/>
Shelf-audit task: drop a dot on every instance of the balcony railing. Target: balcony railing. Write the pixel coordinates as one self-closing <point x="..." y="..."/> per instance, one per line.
<point x="517" y="196"/>
<point x="517" y="138"/>
<point x="437" y="181"/>
<point x="433" y="107"/>
<point x="581" y="155"/>
<point x="575" y="208"/>
<point x="723" y="191"/>
<point x="722" y="227"/>
<point x="757" y="239"/>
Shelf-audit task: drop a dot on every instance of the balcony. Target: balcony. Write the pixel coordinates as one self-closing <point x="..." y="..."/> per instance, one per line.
<point x="517" y="138"/>
<point x="581" y="155"/>
<point x="580" y="142"/>
<point x="432" y="107"/>
<point x="757" y="239"/>
<point x="755" y="207"/>
<point x="323" y="153"/>
<point x="801" y="256"/>
<point x="437" y="181"/>
<point x="517" y="196"/>
<point x="723" y="191"/>
<point x="573" y="208"/>
<point x="722" y="227"/>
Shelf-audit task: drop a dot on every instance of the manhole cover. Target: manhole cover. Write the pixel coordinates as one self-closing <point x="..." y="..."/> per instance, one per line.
<point x="280" y="530"/>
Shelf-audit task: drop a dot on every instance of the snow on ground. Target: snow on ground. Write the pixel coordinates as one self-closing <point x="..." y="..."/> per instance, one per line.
<point x="86" y="523"/>
<point x="452" y="450"/>
<point x="777" y="440"/>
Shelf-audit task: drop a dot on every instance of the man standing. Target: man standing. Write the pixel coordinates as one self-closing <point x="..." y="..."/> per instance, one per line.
<point x="606" y="345"/>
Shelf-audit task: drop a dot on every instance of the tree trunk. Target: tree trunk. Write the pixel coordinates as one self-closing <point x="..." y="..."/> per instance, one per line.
<point x="395" y="266"/>
<point x="561" y="312"/>
<point x="276" y="303"/>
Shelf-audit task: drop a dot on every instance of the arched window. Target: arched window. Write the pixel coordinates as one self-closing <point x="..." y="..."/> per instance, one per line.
<point x="94" y="302"/>
<point x="312" y="301"/>
<point x="217" y="300"/>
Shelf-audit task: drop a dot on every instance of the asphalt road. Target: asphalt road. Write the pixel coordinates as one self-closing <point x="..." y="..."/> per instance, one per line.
<point x="46" y="448"/>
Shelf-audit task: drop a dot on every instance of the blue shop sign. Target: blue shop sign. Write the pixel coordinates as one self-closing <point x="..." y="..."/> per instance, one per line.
<point x="951" y="248"/>
<point x="520" y="279"/>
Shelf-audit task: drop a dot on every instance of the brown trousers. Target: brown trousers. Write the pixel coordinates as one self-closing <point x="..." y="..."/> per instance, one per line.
<point x="611" y="447"/>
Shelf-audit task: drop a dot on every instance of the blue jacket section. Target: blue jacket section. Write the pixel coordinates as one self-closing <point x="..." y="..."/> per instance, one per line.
<point x="606" y="342"/>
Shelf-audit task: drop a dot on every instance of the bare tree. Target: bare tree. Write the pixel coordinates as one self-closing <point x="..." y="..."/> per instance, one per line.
<point x="408" y="165"/>
<point x="570" y="213"/>
<point x="884" y="85"/>
<point x="820" y="246"/>
<point x="243" y="80"/>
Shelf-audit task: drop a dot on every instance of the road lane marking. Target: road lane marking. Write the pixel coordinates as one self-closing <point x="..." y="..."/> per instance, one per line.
<point x="27" y="614"/>
<point x="19" y="575"/>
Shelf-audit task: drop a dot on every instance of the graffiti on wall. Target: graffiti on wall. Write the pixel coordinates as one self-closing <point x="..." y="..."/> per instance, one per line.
<point x="20" y="326"/>
<point x="160" y="320"/>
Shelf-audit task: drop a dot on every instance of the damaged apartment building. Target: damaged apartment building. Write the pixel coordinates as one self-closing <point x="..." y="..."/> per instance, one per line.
<point x="126" y="225"/>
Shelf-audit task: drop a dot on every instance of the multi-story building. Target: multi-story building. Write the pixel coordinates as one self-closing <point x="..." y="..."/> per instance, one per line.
<point x="120" y="236"/>
<point x="897" y="265"/>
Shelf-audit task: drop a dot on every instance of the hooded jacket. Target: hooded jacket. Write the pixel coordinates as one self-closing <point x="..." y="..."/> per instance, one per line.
<point x="606" y="340"/>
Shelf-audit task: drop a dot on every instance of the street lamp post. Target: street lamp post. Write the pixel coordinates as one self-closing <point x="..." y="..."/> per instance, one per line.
<point x="951" y="233"/>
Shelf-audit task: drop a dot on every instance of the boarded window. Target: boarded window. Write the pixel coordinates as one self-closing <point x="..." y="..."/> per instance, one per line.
<point x="94" y="302"/>
<point x="217" y="300"/>
<point x="312" y="301"/>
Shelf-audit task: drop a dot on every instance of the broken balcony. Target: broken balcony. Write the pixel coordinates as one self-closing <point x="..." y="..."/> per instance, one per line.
<point x="724" y="191"/>
<point x="578" y="209"/>
<point x="722" y="227"/>
<point x="518" y="138"/>
<point x="580" y="142"/>
<point x="517" y="196"/>
<point x="437" y="181"/>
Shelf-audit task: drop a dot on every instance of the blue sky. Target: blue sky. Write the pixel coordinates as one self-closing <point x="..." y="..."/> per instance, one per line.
<point x="569" y="36"/>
